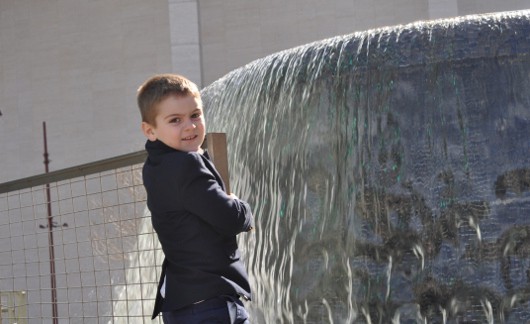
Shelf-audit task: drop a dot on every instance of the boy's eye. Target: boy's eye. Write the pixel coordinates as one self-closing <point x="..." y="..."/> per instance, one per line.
<point x="196" y="115"/>
<point x="174" y="120"/>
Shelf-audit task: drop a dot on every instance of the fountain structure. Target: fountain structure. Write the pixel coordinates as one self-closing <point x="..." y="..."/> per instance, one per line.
<point x="389" y="173"/>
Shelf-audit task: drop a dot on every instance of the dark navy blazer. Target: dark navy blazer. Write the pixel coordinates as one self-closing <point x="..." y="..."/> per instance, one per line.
<point x="196" y="223"/>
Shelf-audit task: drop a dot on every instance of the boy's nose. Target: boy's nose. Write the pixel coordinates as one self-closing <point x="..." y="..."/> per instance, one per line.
<point x="191" y="124"/>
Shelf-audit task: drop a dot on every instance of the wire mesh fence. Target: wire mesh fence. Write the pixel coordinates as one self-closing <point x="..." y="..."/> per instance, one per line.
<point x="77" y="246"/>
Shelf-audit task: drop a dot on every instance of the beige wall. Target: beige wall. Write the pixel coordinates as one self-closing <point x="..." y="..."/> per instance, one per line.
<point x="76" y="64"/>
<point x="469" y="7"/>
<point x="235" y="32"/>
<point x="185" y="45"/>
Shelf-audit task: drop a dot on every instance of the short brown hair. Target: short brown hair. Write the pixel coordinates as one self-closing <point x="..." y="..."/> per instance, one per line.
<point x="158" y="88"/>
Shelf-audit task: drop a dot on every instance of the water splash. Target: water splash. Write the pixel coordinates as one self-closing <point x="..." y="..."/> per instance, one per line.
<point x="389" y="173"/>
<point x="134" y="300"/>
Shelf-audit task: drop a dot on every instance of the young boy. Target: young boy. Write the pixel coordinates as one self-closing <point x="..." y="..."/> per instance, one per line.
<point x="196" y="222"/>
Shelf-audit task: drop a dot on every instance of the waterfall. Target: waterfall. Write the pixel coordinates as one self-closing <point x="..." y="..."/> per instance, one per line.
<point x="135" y="299"/>
<point x="389" y="173"/>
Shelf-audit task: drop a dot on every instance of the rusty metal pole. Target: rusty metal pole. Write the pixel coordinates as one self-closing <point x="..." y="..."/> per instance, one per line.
<point x="51" y="249"/>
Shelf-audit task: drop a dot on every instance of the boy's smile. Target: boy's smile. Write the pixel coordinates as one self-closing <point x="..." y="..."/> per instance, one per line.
<point x="179" y="123"/>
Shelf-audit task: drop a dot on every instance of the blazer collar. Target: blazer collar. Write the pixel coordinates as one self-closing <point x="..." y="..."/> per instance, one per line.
<point x="158" y="148"/>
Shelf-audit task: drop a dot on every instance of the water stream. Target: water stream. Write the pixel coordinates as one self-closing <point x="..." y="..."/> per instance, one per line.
<point x="389" y="172"/>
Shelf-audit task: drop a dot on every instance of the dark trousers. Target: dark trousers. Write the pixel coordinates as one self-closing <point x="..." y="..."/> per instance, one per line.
<point x="218" y="310"/>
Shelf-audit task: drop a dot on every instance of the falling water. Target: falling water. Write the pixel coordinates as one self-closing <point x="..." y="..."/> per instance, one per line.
<point x="389" y="173"/>
<point x="135" y="300"/>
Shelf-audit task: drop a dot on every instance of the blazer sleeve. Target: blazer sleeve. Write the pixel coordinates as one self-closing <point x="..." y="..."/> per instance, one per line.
<point x="203" y="196"/>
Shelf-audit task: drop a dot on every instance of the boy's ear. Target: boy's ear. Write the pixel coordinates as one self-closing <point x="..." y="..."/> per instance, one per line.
<point x="149" y="131"/>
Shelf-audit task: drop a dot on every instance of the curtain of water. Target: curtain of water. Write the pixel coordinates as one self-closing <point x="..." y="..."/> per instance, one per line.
<point x="389" y="173"/>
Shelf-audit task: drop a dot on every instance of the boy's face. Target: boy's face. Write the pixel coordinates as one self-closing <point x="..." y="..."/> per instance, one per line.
<point x="179" y="123"/>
